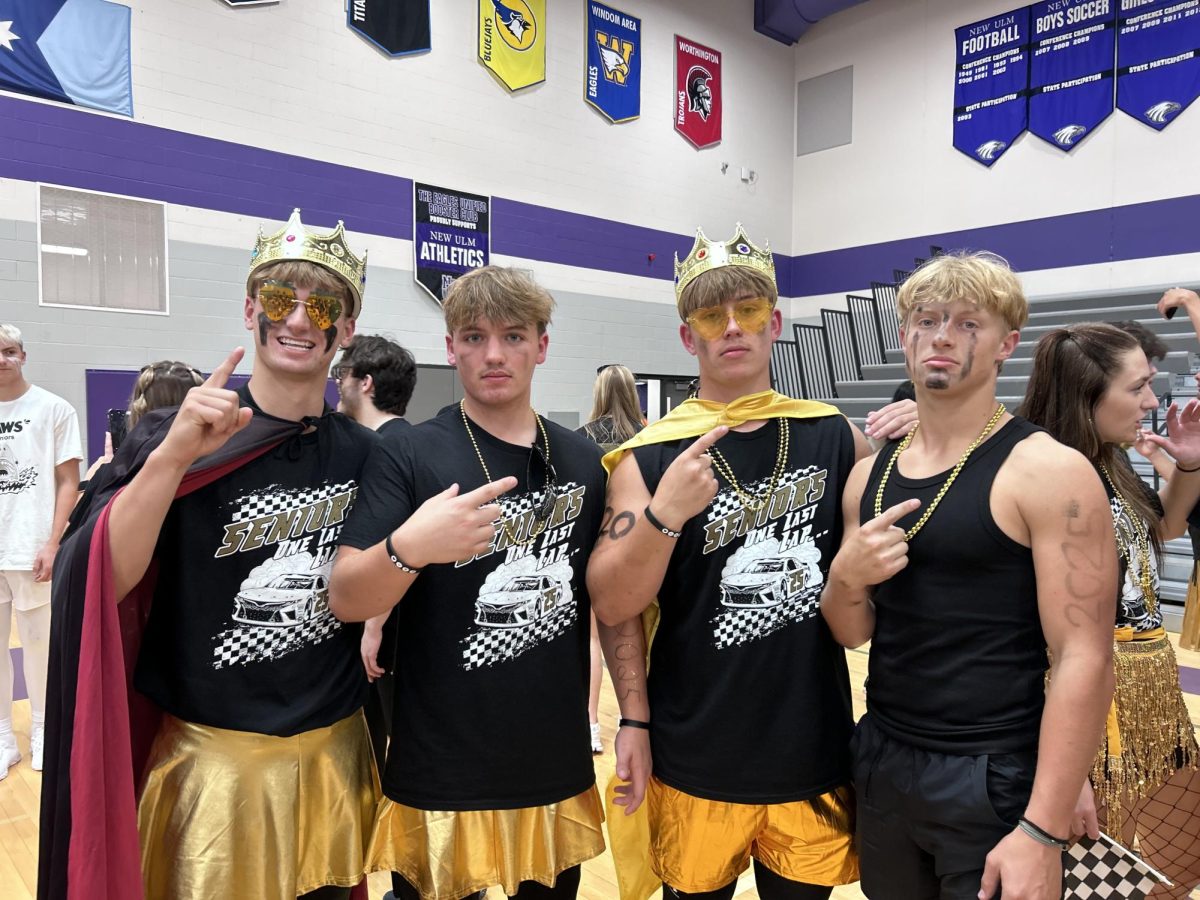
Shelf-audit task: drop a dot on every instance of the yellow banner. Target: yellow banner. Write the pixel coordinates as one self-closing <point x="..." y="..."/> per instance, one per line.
<point x="512" y="41"/>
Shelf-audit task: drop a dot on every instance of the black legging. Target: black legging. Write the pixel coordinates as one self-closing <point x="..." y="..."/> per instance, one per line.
<point x="770" y="886"/>
<point x="566" y="886"/>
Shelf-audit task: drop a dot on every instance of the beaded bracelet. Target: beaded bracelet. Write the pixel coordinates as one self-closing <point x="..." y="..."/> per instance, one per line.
<point x="653" y="520"/>
<point x="396" y="561"/>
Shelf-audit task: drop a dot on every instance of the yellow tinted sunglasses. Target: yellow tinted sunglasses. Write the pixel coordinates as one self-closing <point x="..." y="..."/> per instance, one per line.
<point x="278" y="299"/>
<point x="751" y="315"/>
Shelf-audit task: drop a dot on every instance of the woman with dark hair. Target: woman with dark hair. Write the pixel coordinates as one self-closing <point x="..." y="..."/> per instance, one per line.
<point x="1091" y="389"/>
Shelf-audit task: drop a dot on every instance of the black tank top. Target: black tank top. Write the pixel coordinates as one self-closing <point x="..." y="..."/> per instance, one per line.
<point x="749" y="693"/>
<point x="958" y="656"/>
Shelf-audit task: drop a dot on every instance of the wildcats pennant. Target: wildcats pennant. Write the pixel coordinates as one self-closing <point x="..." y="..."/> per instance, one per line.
<point x="614" y="63"/>
<point x="512" y="41"/>
<point x="397" y="27"/>
<point x="697" y="92"/>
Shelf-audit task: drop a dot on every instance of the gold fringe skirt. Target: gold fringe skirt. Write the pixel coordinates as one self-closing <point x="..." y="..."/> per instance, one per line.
<point x="233" y="815"/>
<point x="446" y="855"/>
<point x="1153" y="737"/>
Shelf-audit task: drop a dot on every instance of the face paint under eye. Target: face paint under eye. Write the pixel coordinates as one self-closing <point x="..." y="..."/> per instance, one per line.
<point x="264" y="323"/>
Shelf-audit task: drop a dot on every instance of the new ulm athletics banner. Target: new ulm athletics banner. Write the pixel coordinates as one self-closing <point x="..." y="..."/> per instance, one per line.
<point x="397" y="27"/>
<point x="614" y="62"/>
<point x="697" y="92"/>
<point x="450" y="236"/>
<point x="1158" y="59"/>
<point x="991" y="80"/>
<point x="1071" y="69"/>
<point x="512" y="41"/>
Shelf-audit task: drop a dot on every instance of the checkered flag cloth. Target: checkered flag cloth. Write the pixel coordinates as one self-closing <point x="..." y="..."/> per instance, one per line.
<point x="1104" y="870"/>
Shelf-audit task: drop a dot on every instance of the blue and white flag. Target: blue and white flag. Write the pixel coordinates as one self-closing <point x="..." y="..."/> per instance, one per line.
<point x="614" y="62"/>
<point x="990" y="85"/>
<point x="1158" y="59"/>
<point x="1071" y="69"/>
<point x="73" y="51"/>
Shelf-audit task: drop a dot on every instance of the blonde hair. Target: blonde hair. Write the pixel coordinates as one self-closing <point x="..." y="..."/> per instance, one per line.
<point x="303" y="274"/>
<point x="499" y="294"/>
<point x="164" y="383"/>
<point x="716" y="286"/>
<point x="978" y="277"/>
<point x="615" y="394"/>
<point x="13" y="333"/>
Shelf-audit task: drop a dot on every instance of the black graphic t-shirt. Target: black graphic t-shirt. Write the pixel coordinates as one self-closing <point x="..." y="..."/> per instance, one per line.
<point x="492" y="652"/>
<point x="386" y="657"/>
<point x="240" y="635"/>
<point x="749" y="693"/>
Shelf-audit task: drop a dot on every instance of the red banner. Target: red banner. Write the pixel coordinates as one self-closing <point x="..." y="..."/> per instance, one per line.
<point x="697" y="92"/>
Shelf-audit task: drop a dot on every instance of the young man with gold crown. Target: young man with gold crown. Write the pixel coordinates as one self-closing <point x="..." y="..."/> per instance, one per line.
<point x="727" y="511"/>
<point x="202" y="564"/>
<point x="490" y="781"/>
<point x="971" y="547"/>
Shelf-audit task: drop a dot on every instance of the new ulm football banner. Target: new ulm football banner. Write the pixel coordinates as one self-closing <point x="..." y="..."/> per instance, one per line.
<point x="614" y="62"/>
<point x="450" y="236"/>
<point x="697" y="92"/>
<point x="991" y="80"/>
<point x="1158" y="66"/>
<point x="1071" y="69"/>
<point x="512" y="41"/>
<point x="397" y="27"/>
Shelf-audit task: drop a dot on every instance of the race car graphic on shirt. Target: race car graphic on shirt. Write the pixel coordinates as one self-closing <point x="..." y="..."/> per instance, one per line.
<point x="286" y="600"/>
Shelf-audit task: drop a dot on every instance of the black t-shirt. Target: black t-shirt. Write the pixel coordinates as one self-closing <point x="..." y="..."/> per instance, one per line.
<point x="492" y="653"/>
<point x="240" y="635"/>
<point x="749" y="693"/>
<point x="386" y="658"/>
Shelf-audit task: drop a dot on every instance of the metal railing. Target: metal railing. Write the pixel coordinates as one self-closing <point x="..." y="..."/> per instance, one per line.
<point x="868" y="333"/>
<point x="885" y="301"/>
<point x="816" y="369"/>
<point x="843" y="347"/>
<point x="785" y="369"/>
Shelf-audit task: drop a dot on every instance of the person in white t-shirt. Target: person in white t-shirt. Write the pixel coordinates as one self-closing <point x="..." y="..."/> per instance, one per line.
<point x="39" y="474"/>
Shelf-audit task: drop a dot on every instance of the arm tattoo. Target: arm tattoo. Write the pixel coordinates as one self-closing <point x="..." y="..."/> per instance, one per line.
<point x="631" y="657"/>
<point x="1084" y="561"/>
<point x="618" y="525"/>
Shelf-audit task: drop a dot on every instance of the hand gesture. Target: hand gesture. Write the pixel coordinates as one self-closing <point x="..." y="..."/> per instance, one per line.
<point x="447" y="527"/>
<point x="689" y="484"/>
<point x="877" y="551"/>
<point x="632" y="749"/>
<point x="1175" y="298"/>
<point x="1146" y="447"/>
<point x="892" y="421"/>
<point x="1182" y="440"/>
<point x="369" y="647"/>
<point x="1023" y="868"/>
<point x="208" y="417"/>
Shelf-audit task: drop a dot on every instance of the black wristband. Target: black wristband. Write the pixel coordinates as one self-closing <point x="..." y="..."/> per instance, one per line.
<point x="1042" y="836"/>
<point x="632" y="723"/>
<point x="653" y="520"/>
<point x="1187" y="471"/>
<point x="396" y="561"/>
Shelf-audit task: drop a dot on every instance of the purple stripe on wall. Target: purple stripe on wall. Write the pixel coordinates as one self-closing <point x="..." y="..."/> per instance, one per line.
<point x="1189" y="679"/>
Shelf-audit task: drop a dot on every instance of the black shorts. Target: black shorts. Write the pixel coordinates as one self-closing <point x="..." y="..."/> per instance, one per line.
<point x="927" y="820"/>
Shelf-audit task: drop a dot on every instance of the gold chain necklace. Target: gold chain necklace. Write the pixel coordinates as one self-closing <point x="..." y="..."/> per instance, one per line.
<point x="755" y="502"/>
<point x="958" y="467"/>
<point x="508" y="526"/>
<point x="1139" y="538"/>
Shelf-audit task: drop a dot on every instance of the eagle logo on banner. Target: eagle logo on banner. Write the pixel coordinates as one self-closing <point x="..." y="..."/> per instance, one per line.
<point x="511" y="43"/>
<point x="614" y="62"/>
<point x="697" y="92"/>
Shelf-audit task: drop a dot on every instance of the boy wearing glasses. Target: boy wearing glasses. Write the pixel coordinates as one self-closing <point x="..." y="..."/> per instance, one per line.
<point x="259" y="781"/>
<point x="727" y="510"/>
<point x="477" y="526"/>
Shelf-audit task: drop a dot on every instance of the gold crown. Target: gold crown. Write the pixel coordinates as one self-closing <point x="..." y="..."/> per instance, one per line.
<point x="707" y="255"/>
<point x="294" y="241"/>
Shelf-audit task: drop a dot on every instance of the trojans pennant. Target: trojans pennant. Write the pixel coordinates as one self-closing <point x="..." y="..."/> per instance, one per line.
<point x="614" y="62"/>
<point x="697" y="92"/>
<point x="512" y="41"/>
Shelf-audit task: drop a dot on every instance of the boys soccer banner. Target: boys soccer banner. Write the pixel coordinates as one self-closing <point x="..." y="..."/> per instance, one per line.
<point x="450" y="236"/>
<point x="397" y="27"/>
<point x="512" y="41"/>
<point x="991" y="79"/>
<point x="614" y="62"/>
<point x="697" y="92"/>
<point x="1158" y="67"/>
<point x="1071" y="69"/>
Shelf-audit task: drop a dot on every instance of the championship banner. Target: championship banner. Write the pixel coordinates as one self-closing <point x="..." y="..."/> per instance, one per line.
<point x="450" y="236"/>
<point x="991" y="79"/>
<point x="1158" y="70"/>
<point x="397" y="27"/>
<point x="614" y="62"/>
<point x="697" y="92"/>
<point x="512" y="41"/>
<point x="1071" y="69"/>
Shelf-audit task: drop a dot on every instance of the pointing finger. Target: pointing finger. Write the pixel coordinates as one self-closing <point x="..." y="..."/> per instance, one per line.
<point x="703" y="443"/>
<point x="221" y="373"/>
<point x="892" y="515"/>
<point x="489" y="492"/>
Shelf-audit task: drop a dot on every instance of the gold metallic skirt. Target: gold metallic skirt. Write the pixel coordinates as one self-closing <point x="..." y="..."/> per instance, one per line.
<point x="1151" y="735"/>
<point x="448" y="855"/>
<point x="233" y="815"/>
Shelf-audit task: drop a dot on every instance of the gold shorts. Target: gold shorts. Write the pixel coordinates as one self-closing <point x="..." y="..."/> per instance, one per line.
<point x="448" y="855"/>
<point x="233" y="815"/>
<point x="699" y="845"/>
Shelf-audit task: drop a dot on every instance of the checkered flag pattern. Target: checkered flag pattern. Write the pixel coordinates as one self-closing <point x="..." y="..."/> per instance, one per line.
<point x="276" y="499"/>
<point x="1097" y="870"/>
<point x="251" y="643"/>
<point x="514" y="506"/>
<point x="739" y="626"/>
<point x="491" y="645"/>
